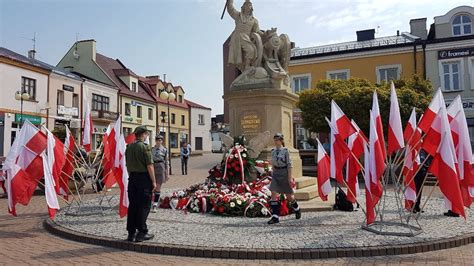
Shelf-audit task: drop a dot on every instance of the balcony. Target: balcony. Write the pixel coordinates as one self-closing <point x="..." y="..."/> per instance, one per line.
<point x="104" y="115"/>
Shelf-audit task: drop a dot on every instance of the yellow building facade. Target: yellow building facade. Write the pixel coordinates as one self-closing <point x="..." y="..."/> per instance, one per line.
<point x="375" y="59"/>
<point x="136" y="112"/>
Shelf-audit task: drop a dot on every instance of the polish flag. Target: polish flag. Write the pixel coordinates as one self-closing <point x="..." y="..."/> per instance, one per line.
<point x="87" y="125"/>
<point x="130" y="138"/>
<point x="443" y="167"/>
<point x="376" y="160"/>
<point x="463" y="148"/>
<point x="356" y="143"/>
<point x="24" y="165"/>
<point x="121" y="175"/>
<point x="412" y="133"/>
<point x="341" y="128"/>
<point x="453" y="109"/>
<point x="410" y="167"/>
<point x="370" y="201"/>
<point x="113" y="153"/>
<point x="324" y="184"/>
<point x="430" y="113"/>
<point x="438" y="129"/>
<point x="378" y="124"/>
<point x="68" y="168"/>
<point x="395" y="131"/>
<point x="56" y="158"/>
<point x="50" y="167"/>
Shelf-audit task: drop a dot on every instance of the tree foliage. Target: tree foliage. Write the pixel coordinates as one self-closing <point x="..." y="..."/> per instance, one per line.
<point x="354" y="96"/>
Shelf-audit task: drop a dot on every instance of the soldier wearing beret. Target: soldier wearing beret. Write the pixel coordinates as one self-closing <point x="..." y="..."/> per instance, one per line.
<point x="141" y="185"/>
<point x="281" y="179"/>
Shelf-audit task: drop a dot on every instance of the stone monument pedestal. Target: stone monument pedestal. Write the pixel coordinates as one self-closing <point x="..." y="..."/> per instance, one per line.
<point x="252" y="111"/>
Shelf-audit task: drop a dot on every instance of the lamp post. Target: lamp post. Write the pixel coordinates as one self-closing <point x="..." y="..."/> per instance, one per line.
<point x="21" y="96"/>
<point x="168" y="96"/>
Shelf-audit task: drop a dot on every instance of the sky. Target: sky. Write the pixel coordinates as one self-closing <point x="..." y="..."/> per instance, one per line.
<point x="183" y="38"/>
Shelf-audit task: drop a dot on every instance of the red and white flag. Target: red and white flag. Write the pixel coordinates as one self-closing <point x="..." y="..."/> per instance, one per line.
<point x="24" y="165"/>
<point x="87" y="126"/>
<point x="463" y="148"/>
<point x="376" y="160"/>
<point x="412" y="133"/>
<point x="130" y="138"/>
<point x="438" y="129"/>
<point x="453" y="109"/>
<point x="324" y="173"/>
<point x="68" y="168"/>
<point x="111" y="153"/>
<point x="370" y="202"/>
<point x="356" y="143"/>
<point x="395" y="131"/>
<point x="341" y="128"/>
<point x="378" y="124"/>
<point x="121" y="175"/>
<point x="429" y="115"/>
<point x="412" y="136"/>
<point x="410" y="167"/>
<point x="444" y="167"/>
<point x="52" y="165"/>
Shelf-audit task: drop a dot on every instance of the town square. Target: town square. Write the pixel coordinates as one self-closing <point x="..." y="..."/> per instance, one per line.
<point x="236" y="132"/>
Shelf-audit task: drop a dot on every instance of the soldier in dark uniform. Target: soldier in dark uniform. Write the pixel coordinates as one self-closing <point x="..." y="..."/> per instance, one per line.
<point x="141" y="185"/>
<point x="281" y="179"/>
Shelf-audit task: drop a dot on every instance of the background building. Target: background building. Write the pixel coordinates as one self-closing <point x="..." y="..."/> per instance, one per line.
<point x="27" y="75"/>
<point x="200" y="120"/>
<point x="65" y="98"/>
<point x="450" y="57"/>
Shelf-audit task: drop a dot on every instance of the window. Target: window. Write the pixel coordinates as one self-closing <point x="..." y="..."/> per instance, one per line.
<point x="29" y="86"/>
<point x="75" y="100"/>
<point x="301" y="82"/>
<point x="128" y="110"/>
<point x="163" y="116"/>
<point x="388" y="73"/>
<point x="201" y="119"/>
<point x="451" y="75"/>
<point x="150" y="113"/>
<point x="139" y="111"/>
<point x="462" y="25"/>
<point x="60" y="99"/>
<point x="127" y="131"/>
<point x="471" y="133"/>
<point x="180" y="98"/>
<point x="338" y="74"/>
<point x="183" y="122"/>
<point x="173" y="119"/>
<point x="134" y="86"/>
<point x="100" y="103"/>
<point x="471" y="66"/>
<point x="174" y="140"/>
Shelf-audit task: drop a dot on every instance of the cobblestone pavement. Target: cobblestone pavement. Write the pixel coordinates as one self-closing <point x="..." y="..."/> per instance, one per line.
<point x="24" y="241"/>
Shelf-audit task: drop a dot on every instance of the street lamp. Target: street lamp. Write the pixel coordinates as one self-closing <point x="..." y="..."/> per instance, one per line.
<point x="21" y="96"/>
<point x="168" y="96"/>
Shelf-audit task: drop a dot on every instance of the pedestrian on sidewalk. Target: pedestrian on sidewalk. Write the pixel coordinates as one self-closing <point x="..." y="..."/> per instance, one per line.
<point x="185" y="152"/>
<point x="141" y="185"/>
<point x="160" y="163"/>
<point x="282" y="177"/>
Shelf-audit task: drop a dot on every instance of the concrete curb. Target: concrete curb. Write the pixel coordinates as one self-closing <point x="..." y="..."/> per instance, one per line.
<point x="252" y="253"/>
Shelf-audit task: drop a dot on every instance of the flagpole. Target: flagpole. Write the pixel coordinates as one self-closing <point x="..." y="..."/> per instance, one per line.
<point x="353" y="195"/>
<point x="418" y="193"/>
<point x="427" y="199"/>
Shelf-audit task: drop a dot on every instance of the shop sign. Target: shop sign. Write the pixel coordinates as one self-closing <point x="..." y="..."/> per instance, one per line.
<point x="72" y="111"/>
<point x="455" y="53"/>
<point x="128" y="119"/>
<point x="35" y="120"/>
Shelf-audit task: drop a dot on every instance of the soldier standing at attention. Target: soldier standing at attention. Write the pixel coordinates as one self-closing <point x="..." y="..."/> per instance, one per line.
<point x="160" y="160"/>
<point x="281" y="179"/>
<point x="141" y="185"/>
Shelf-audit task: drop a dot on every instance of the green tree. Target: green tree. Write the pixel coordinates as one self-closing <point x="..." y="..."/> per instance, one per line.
<point x="354" y="96"/>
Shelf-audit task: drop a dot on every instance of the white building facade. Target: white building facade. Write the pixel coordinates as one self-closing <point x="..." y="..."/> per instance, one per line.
<point x="200" y="121"/>
<point x="19" y="73"/>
